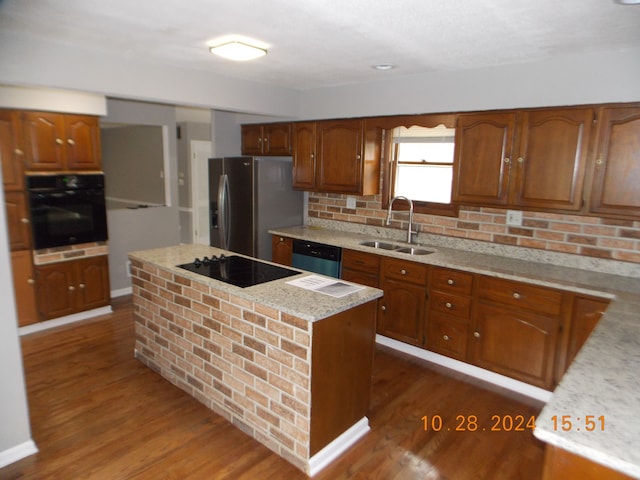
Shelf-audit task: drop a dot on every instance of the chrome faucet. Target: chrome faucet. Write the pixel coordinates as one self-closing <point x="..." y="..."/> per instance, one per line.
<point x="410" y="227"/>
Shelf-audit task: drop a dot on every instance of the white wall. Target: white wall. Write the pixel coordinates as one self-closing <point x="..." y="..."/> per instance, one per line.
<point x="15" y="433"/>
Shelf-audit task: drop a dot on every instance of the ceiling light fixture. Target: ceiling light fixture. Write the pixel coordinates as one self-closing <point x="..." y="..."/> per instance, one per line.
<point x="238" y="51"/>
<point x="384" y="67"/>
<point x="628" y="2"/>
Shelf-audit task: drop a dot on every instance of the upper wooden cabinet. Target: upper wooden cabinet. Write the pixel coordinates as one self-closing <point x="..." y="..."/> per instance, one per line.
<point x="59" y="142"/>
<point x="11" y="151"/>
<point x="530" y="159"/>
<point x="268" y="139"/>
<point x="337" y="156"/>
<point x="616" y="181"/>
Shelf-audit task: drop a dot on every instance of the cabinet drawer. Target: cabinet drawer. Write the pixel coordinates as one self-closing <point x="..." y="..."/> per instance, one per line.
<point x="537" y="299"/>
<point x="405" y="271"/>
<point x="364" y="262"/>
<point x="447" y="280"/>
<point x="448" y="336"/>
<point x="451" y="304"/>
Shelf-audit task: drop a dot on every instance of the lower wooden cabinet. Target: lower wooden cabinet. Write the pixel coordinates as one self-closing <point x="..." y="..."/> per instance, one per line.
<point x="282" y="250"/>
<point x="361" y="267"/>
<point x="73" y="286"/>
<point x="562" y="465"/>
<point x="24" y="287"/>
<point x="18" y="223"/>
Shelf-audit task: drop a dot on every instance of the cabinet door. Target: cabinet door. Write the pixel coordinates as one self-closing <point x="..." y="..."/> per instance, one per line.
<point x="277" y="139"/>
<point x="17" y="221"/>
<point x="55" y="290"/>
<point x="339" y="167"/>
<point x="617" y="170"/>
<point x="363" y="278"/>
<point x="282" y="250"/>
<point x="516" y="343"/>
<point x="11" y="150"/>
<point x="82" y="138"/>
<point x="402" y="312"/>
<point x="585" y="317"/>
<point x="484" y="143"/>
<point x="24" y="287"/>
<point x="304" y="155"/>
<point x="448" y="336"/>
<point x="557" y="141"/>
<point x="251" y="139"/>
<point x="92" y="277"/>
<point x="45" y="142"/>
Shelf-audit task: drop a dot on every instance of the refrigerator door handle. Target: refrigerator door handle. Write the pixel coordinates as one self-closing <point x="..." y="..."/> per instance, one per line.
<point x="224" y="211"/>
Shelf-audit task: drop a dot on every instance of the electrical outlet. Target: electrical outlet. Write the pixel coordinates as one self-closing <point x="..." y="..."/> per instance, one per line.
<point x="514" y="218"/>
<point x="351" y="202"/>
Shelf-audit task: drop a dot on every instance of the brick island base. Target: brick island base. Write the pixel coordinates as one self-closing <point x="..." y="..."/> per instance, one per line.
<point x="300" y="388"/>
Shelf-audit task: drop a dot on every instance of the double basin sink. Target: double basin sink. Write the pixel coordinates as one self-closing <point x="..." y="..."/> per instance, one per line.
<point x="396" y="248"/>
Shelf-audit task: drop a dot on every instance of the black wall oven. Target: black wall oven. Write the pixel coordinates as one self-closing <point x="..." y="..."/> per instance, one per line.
<point x="67" y="209"/>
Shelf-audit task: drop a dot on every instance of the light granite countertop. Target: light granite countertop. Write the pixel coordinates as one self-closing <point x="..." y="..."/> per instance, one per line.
<point x="305" y="304"/>
<point x="603" y="379"/>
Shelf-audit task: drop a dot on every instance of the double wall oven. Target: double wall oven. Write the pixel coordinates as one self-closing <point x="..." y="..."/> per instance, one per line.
<point x="67" y="209"/>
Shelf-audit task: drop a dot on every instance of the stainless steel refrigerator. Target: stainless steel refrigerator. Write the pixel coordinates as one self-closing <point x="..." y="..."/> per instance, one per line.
<point x="247" y="197"/>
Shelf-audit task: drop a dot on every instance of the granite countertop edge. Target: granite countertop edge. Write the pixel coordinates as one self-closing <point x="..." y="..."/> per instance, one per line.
<point x="600" y="381"/>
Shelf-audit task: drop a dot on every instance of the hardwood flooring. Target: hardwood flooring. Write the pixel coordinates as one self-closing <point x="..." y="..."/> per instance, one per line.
<point x="97" y="413"/>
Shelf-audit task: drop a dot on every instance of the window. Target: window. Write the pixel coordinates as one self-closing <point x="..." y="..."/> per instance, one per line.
<point x="422" y="167"/>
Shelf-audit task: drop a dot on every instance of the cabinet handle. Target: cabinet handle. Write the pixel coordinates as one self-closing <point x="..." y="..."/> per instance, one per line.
<point x="383" y="308"/>
<point x="358" y="156"/>
<point x="476" y="334"/>
<point x="600" y="161"/>
<point x="313" y="156"/>
<point x="59" y="141"/>
<point x="31" y="281"/>
<point x="281" y="239"/>
<point x="403" y="271"/>
<point x="448" y="305"/>
<point x="445" y="337"/>
<point x="82" y="285"/>
<point x="17" y="151"/>
<point x="70" y="141"/>
<point x="72" y="288"/>
<point x="24" y="220"/>
<point x="259" y="139"/>
<point x="507" y="160"/>
<point x="451" y="282"/>
<point x="516" y="295"/>
<point x="520" y="160"/>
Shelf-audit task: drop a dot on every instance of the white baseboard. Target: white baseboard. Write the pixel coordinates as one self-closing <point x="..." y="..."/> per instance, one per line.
<point x="471" y="370"/>
<point x="18" y="452"/>
<point x="329" y="453"/>
<point x="56" y="322"/>
<point x="121" y="292"/>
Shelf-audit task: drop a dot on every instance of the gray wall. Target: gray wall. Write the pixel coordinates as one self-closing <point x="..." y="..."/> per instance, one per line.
<point x="143" y="228"/>
<point x="133" y="162"/>
<point x="14" y="413"/>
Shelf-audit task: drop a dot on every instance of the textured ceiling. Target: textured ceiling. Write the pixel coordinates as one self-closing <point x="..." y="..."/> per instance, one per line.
<point x="317" y="43"/>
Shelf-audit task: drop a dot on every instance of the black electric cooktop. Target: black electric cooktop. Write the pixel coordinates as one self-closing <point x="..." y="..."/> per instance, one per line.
<point x="240" y="271"/>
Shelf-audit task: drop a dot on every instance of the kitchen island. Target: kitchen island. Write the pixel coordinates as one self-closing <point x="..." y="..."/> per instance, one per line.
<point x="601" y="384"/>
<point x="288" y="366"/>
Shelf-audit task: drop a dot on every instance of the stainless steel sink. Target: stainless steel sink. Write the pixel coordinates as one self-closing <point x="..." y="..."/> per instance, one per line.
<point x="377" y="244"/>
<point x="413" y="251"/>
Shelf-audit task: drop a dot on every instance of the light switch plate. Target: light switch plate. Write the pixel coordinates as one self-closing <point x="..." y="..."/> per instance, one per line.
<point x="514" y="218"/>
<point x="351" y="202"/>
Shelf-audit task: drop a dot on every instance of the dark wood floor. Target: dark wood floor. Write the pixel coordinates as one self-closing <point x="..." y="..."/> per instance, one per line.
<point x="97" y="413"/>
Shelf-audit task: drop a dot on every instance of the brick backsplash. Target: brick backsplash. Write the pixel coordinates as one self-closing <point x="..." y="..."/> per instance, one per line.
<point x="69" y="252"/>
<point x="605" y="238"/>
<point x="247" y="362"/>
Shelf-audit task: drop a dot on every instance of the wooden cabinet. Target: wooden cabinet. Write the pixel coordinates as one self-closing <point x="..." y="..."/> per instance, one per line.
<point x="617" y="163"/>
<point x="402" y="310"/>
<point x="268" y="139"/>
<point x="516" y="330"/>
<point x="560" y="464"/>
<point x="69" y="287"/>
<point x="61" y="142"/>
<point x="337" y="156"/>
<point x="18" y="223"/>
<point x="281" y="250"/>
<point x="506" y="158"/>
<point x="24" y="287"/>
<point x="449" y="312"/>
<point x="361" y="267"/>
<point x="11" y="151"/>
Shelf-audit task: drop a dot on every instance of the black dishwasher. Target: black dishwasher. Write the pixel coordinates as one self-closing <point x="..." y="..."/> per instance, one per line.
<point x="317" y="257"/>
